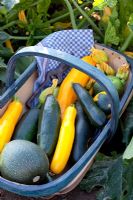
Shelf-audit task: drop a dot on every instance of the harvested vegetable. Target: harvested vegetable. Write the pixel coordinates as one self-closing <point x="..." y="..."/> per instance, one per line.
<point x="123" y="73"/>
<point x="129" y="53"/>
<point x="89" y="60"/>
<point x="24" y="162"/>
<point x="99" y="55"/>
<point x="103" y="101"/>
<point x="65" y="141"/>
<point x="95" y="115"/>
<point x="105" y="68"/>
<point x="66" y="95"/>
<point x="90" y="83"/>
<point x="49" y="125"/>
<point x="117" y="83"/>
<point x="83" y="131"/>
<point x="47" y="91"/>
<point x="26" y="128"/>
<point x="9" y="121"/>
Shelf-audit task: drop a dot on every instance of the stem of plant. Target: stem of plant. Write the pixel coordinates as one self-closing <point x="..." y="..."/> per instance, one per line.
<point x="71" y="14"/>
<point x="8" y="25"/>
<point x="81" y="23"/>
<point x="51" y="21"/>
<point x="127" y="42"/>
<point x="94" y="26"/>
<point x="26" y="38"/>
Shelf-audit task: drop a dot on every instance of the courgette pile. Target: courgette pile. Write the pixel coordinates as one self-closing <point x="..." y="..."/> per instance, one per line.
<point x="57" y="133"/>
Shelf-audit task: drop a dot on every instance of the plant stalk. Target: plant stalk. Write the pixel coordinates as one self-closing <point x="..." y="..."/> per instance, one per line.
<point x="27" y="37"/>
<point x="72" y="17"/>
<point x="127" y="42"/>
<point x="8" y="25"/>
<point x="94" y="26"/>
<point x="51" y="21"/>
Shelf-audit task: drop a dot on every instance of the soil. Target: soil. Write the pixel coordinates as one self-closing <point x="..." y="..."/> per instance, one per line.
<point x="76" y="194"/>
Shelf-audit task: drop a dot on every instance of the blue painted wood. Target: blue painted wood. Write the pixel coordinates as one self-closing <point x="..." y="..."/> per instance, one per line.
<point x="16" y="85"/>
<point x="71" y="61"/>
<point x="58" y="184"/>
<point x="130" y="84"/>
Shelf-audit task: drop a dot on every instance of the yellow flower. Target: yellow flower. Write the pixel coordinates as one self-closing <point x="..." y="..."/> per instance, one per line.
<point x="80" y="1"/>
<point x="97" y="3"/>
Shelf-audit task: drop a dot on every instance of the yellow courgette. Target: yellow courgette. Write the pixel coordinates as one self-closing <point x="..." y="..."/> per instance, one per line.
<point x="65" y="141"/>
<point x="9" y="121"/>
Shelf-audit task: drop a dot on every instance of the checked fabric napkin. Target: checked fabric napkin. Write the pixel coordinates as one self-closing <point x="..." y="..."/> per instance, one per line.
<point x="75" y="42"/>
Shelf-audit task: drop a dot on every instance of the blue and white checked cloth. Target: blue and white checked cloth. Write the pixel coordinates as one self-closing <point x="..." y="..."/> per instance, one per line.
<point x="75" y="42"/>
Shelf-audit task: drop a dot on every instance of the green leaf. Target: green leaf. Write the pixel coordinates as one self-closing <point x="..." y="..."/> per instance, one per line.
<point x="5" y="52"/>
<point x="43" y="6"/>
<point x="128" y="153"/>
<point x="3" y="10"/>
<point x="24" y="5"/>
<point x="22" y="63"/>
<point x="127" y="123"/>
<point x="4" y="36"/>
<point x="3" y="67"/>
<point x="128" y="180"/>
<point x="125" y="10"/>
<point x="113" y="187"/>
<point x="114" y="176"/>
<point x="111" y="35"/>
<point x="98" y="174"/>
<point x="114" y="18"/>
<point x="3" y="74"/>
<point x="130" y="22"/>
<point x="61" y="25"/>
<point x="101" y="4"/>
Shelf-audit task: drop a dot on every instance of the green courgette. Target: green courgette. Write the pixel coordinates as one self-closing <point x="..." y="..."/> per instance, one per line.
<point x="103" y="102"/>
<point x="94" y="113"/>
<point x="27" y="126"/>
<point x="82" y="134"/>
<point x="116" y="82"/>
<point x="49" y="125"/>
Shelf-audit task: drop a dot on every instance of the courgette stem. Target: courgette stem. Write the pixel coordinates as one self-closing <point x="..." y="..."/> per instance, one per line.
<point x="27" y="37"/>
<point x="16" y="98"/>
<point x="9" y="25"/>
<point x="51" y="21"/>
<point x="72" y="17"/>
<point x="66" y="14"/>
<point x="81" y="23"/>
<point x="127" y="42"/>
<point x="94" y="26"/>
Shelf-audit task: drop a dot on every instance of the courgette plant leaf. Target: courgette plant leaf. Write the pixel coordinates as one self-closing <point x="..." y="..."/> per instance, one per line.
<point x="105" y="173"/>
<point x="4" y="36"/>
<point x="130" y="22"/>
<point x="111" y="36"/>
<point x="127" y="123"/>
<point x="43" y="6"/>
<point x="128" y="180"/>
<point x="128" y="153"/>
<point x="5" y="52"/>
<point x="22" y="63"/>
<point x="125" y="10"/>
<point x="100" y="4"/>
<point x="113" y="186"/>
